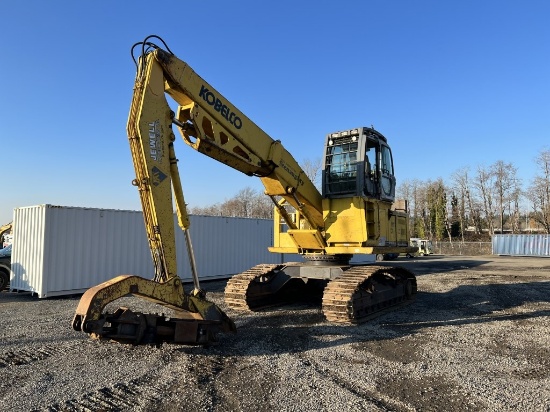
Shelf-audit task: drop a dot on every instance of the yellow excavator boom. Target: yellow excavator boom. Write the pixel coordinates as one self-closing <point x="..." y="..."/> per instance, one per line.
<point x="157" y="177"/>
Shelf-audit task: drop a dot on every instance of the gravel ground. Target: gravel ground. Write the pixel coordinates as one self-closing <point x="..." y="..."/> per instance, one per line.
<point x="476" y="339"/>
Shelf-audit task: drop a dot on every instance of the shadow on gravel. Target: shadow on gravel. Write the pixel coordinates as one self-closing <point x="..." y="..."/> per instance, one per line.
<point x="467" y="304"/>
<point x="436" y="264"/>
<point x="6" y="297"/>
<point x="300" y="328"/>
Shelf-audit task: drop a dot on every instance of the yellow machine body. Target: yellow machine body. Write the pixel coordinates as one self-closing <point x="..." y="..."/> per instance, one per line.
<point x="355" y="212"/>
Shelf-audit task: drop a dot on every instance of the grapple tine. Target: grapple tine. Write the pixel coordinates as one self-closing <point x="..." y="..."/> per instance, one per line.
<point x="197" y="320"/>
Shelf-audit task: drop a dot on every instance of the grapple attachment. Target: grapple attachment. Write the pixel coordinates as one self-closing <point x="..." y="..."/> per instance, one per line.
<point x="197" y="321"/>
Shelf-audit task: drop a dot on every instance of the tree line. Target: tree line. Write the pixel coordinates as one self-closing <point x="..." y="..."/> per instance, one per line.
<point x="490" y="199"/>
<point x="254" y="203"/>
<point x="246" y="203"/>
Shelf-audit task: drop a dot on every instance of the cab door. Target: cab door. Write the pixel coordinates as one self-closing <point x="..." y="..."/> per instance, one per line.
<point x="387" y="178"/>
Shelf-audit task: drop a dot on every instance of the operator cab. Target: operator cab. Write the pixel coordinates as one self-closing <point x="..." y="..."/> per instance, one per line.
<point x="358" y="162"/>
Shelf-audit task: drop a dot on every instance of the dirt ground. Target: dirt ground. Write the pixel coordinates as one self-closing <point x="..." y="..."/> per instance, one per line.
<point x="475" y="339"/>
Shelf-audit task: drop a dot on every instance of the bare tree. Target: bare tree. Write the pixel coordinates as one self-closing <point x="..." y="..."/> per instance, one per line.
<point x="251" y="203"/>
<point x="474" y="205"/>
<point x="407" y="190"/>
<point x="262" y="206"/>
<point x="506" y="183"/>
<point x="461" y="187"/>
<point x="246" y="203"/>
<point x="242" y="203"/>
<point x="539" y="191"/>
<point x="212" y="210"/>
<point x="312" y="169"/>
<point x="470" y="199"/>
<point x="514" y="211"/>
<point x="414" y="191"/>
<point x="485" y="186"/>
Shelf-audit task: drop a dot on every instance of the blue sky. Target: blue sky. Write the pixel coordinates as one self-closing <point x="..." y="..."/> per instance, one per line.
<point x="449" y="83"/>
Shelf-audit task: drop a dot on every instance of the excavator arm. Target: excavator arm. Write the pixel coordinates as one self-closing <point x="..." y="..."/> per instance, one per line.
<point x="197" y="320"/>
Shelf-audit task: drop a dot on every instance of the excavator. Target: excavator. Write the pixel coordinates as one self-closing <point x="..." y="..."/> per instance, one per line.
<point x="354" y="213"/>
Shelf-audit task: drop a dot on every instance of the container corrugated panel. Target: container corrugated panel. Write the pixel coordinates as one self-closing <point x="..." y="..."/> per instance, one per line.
<point x="521" y="245"/>
<point x="85" y="247"/>
<point x="62" y="250"/>
<point x="226" y="245"/>
<point x="28" y="248"/>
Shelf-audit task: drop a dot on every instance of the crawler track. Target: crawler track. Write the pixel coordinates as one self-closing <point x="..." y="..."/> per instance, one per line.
<point x="244" y="291"/>
<point x="359" y="294"/>
<point x="362" y="292"/>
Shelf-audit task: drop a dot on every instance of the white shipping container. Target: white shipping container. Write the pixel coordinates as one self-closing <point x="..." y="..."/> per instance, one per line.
<point x="59" y="250"/>
<point x="521" y="245"/>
